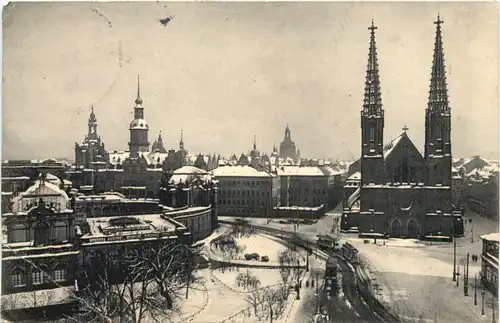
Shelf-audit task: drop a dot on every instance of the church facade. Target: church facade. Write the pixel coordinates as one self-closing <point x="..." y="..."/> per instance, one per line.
<point x="402" y="192"/>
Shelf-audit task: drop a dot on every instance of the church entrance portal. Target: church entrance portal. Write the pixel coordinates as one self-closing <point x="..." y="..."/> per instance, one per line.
<point x="412" y="229"/>
<point x="395" y="228"/>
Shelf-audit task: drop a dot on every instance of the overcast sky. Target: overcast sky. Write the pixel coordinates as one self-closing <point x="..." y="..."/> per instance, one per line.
<point x="223" y="72"/>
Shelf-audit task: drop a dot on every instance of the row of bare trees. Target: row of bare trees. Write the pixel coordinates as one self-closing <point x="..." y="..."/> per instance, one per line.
<point x="150" y="288"/>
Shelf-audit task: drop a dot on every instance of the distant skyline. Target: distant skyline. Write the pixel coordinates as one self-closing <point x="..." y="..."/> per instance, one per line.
<point x="222" y="72"/>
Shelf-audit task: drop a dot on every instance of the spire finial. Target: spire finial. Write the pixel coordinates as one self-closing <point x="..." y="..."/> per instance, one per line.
<point x="254" y="142"/>
<point x="438" y="22"/>
<point x="138" y="100"/>
<point x="405" y="128"/>
<point x="372" y="104"/>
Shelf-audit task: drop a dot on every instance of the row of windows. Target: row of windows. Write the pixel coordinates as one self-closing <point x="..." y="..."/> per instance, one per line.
<point x="243" y="202"/>
<point x="307" y="180"/>
<point x="247" y="183"/>
<point x="237" y="193"/>
<point x="306" y="190"/>
<point x="38" y="276"/>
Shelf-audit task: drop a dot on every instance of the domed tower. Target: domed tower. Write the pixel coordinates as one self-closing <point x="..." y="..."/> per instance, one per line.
<point x="138" y="128"/>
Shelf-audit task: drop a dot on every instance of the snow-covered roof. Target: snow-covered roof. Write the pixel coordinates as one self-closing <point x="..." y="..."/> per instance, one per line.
<point x="190" y="170"/>
<point x="152" y="158"/>
<point x="390" y="147"/>
<point x="239" y="171"/>
<point x="491" y="237"/>
<point x="355" y="177"/>
<point x="300" y="171"/>
<point x="187" y="173"/>
<point x="40" y="190"/>
<point x="139" y="124"/>
<point x="139" y="224"/>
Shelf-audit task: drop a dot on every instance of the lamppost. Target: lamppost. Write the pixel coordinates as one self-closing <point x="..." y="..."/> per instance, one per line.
<point x="482" y="300"/>
<point x="307" y="259"/>
<point x="475" y="289"/>
<point x="471" y="231"/>
<point x="466" y="277"/>
<point x="454" y="253"/>
<point x="458" y="275"/>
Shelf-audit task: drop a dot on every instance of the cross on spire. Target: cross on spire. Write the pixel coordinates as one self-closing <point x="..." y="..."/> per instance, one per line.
<point x="181" y="143"/>
<point x="372" y="28"/>
<point x="405" y="128"/>
<point x="438" y="22"/>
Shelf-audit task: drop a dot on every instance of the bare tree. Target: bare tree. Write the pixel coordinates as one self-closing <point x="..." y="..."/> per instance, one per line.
<point x="152" y="284"/>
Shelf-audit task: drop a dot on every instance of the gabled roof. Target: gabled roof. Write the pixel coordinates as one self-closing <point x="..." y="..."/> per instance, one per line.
<point x="398" y="141"/>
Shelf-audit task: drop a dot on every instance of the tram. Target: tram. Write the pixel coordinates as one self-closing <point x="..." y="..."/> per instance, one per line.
<point x="327" y="242"/>
<point x="331" y="270"/>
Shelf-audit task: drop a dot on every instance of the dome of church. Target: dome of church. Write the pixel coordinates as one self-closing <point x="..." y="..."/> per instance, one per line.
<point x="139" y="124"/>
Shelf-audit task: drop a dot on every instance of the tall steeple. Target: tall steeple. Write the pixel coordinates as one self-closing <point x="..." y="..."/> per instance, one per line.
<point x="138" y="100"/>
<point x="372" y="104"/>
<point x="92" y="134"/>
<point x="138" y="127"/>
<point x="438" y="119"/>
<point x="372" y="121"/>
<point x="181" y="143"/>
<point x="438" y="92"/>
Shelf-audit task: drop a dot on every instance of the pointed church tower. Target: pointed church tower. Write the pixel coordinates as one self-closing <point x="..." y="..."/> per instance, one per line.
<point x="438" y="120"/>
<point x="181" y="142"/>
<point x="138" y="127"/>
<point x="372" y="121"/>
<point x="92" y="134"/>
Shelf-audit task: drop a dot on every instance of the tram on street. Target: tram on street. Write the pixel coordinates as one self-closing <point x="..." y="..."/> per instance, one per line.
<point x="327" y="242"/>
<point x="331" y="270"/>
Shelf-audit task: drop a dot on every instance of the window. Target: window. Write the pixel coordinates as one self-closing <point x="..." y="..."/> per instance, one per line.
<point x="372" y="133"/>
<point x="39" y="276"/>
<point x="17" y="277"/>
<point x="60" y="274"/>
<point x="42" y="233"/>
<point x="438" y="130"/>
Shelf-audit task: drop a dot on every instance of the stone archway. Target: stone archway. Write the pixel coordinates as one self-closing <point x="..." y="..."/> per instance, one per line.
<point x="396" y="228"/>
<point x="412" y="229"/>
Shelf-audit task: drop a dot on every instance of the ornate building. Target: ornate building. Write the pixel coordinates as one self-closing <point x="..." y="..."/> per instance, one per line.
<point x="402" y="192"/>
<point x="40" y="250"/>
<point x="91" y="151"/>
<point x="287" y="147"/>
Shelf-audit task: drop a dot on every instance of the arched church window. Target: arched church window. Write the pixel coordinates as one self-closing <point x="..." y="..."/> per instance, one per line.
<point x="42" y="233"/>
<point x="438" y="130"/>
<point x="372" y="133"/>
<point x="17" y="277"/>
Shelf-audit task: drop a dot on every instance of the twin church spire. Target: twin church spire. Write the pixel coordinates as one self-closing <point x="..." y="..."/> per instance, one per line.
<point x="437" y="124"/>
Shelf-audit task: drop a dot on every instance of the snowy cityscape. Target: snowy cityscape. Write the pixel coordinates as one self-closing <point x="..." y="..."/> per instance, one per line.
<point x="364" y="214"/>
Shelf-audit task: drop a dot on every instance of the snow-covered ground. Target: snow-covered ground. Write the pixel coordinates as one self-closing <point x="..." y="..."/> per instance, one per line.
<point x="266" y="277"/>
<point x="415" y="279"/>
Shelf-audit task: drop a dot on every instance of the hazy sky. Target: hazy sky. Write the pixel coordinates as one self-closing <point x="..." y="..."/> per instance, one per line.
<point x="223" y="72"/>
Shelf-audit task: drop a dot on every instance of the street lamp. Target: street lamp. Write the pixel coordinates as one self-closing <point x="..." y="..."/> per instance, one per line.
<point x="454" y="252"/>
<point x="307" y="259"/>
<point x="458" y="275"/>
<point x="475" y="289"/>
<point x="482" y="300"/>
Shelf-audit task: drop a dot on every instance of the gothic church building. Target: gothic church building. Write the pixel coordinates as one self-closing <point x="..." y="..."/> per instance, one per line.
<point x="402" y="193"/>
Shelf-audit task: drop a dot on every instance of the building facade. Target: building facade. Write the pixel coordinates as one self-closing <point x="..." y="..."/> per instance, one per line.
<point x="402" y="192"/>
<point x="489" y="261"/>
<point x="247" y="191"/>
<point x="304" y="186"/>
<point x="40" y="249"/>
